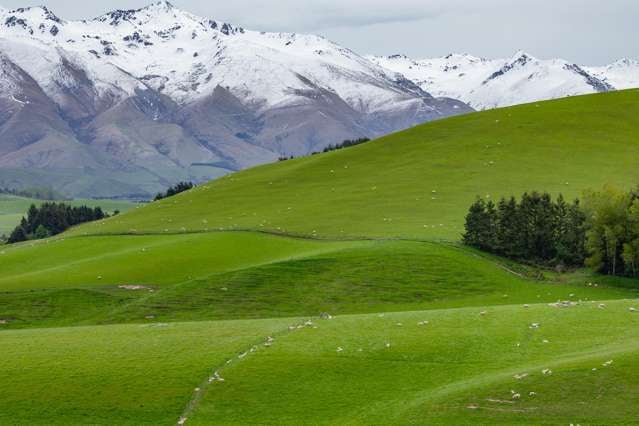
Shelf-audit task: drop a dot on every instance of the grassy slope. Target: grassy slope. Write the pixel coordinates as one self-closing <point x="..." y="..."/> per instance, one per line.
<point x="246" y="275"/>
<point x="430" y="374"/>
<point x="13" y="208"/>
<point x="384" y="188"/>
<point x="149" y="260"/>
<point x="115" y="375"/>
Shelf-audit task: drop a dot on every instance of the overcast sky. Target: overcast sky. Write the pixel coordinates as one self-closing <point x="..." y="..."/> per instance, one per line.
<point x="590" y="32"/>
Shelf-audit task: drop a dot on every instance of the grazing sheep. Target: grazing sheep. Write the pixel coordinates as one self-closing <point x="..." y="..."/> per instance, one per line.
<point x="546" y="372"/>
<point x="532" y="393"/>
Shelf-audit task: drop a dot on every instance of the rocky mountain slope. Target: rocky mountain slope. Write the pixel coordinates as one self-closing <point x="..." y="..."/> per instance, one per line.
<point x="489" y="83"/>
<point x="124" y="104"/>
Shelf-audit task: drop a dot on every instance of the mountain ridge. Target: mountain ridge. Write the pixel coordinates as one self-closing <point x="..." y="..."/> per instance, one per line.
<point x="156" y="95"/>
<point x="490" y="83"/>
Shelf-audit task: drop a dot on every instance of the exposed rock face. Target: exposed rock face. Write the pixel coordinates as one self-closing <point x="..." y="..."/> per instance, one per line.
<point x="133" y="101"/>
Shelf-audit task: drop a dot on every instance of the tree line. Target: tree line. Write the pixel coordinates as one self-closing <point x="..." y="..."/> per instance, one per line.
<point x="601" y="233"/>
<point x="535" y="229"/>
<point x="345" y="144"/>
<point x="331" y="147"/>
<point x="174" y="190"/>
<point x="51" y="219"/>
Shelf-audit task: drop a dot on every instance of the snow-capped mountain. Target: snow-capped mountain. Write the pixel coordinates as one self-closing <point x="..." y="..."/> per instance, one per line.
<point x="134" y="100"/>
<point x="623" y="74"/>
<point x="489" y="83"/>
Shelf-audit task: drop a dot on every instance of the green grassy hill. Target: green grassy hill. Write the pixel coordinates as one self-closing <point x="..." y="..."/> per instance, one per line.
<point x="127" y="320"/>
<point x="420" y="182"/>
<point x="82" y="280"/>
<point x="12" y="209"/>
<point x="457" y="368"/>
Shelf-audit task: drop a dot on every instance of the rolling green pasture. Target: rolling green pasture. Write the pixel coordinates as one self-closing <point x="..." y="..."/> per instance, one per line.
<point x="124" y="374"/>
<point x="241" y="275"/>
<point x="459" y="368"/>
<point x="452" y="366"/>
<point x="419" y="182"/>
<point x="152" y="260"/>
<point x="127" y="320"/>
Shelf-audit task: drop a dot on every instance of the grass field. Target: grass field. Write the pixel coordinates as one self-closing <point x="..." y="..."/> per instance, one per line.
<point x="431" y="374"/>
<point x="126" y="374"/>
<point x="248" y="275"/>
<point x="457" y="368"/>
<point x="127" y="320"/>
<point x="420" y="182"/>
<point x="12" y="209"/>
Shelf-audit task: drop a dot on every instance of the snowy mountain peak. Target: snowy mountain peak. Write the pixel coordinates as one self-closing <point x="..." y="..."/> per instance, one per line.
<point x="31" y="20"/>
<point x="35" y="13"/>
<point x="162" y="93"/>
<point x="163" y="5"/>
<point x="520" y="58"/>
<point x="625" y="62"/>
<point x="489" y="83"/>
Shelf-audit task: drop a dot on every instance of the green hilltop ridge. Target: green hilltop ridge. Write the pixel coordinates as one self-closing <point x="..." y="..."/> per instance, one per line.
<point x="417" y="183"/>
<point x="332" y="289"/>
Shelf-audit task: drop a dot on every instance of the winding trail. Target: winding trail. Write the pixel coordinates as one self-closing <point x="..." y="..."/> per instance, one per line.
<point x="216" y="373"/>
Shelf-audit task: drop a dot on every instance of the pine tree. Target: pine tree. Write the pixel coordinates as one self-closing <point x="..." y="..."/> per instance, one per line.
<point x="18" y="235"/>
<point x="508" y="228"/>
<point x="475" y="223"/>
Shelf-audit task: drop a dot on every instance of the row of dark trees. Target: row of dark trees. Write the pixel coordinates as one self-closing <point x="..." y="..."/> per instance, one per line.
<point x="346" y="144"/>
<point x="174" y="190"/>
<point x="52" y="219"/>
<point x="601" y="233"/>
<point x="534" y="229"/>
<point x="332" y="147"/>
